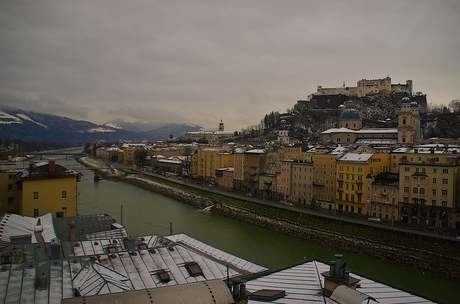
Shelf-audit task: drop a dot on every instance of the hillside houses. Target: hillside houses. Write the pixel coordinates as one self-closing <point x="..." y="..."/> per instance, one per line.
<point x="380" y="172"/>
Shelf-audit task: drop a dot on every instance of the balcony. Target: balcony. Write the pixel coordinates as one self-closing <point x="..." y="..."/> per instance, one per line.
<point x="384" y="193"/>
<point x="340" y="179"/>
<point x="340" y="189"/>
<point x="359" y="192"/>
<point x="359" y="181"/>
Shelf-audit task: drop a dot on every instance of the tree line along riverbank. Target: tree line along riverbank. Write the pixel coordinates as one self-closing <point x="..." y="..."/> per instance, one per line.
<point x="441" y="257"/>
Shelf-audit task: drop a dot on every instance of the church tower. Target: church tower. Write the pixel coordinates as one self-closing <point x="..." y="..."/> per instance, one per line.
<point x="221" y="126"/>
<point x="408" y="122"/>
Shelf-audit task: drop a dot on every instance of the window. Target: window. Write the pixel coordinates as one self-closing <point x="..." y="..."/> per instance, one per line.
<point x="444" y="203"/>
<point x="445" y="171"/>
<point x="406" y="179"/>
<point x="433" y="191"/>
<point x="10" y="201"/>
<point x="35" y="195"/>
<point x="422" y="190"/>
<point x="445" y="181"/>
<point x="433" y="202"/>
<point x="64" y="194"/>
<point x="64" y="210"/>
<point x="10" y="187"/>
<point x="434" y="180"/>
<point x="193" y="269"/>
<point x="415" y="190"/>
<point x="444" y="192"/>
<point x="406" y="189"/>
<point x="434" y="170"/>
<point x="422" y="180"/>
<point x="163" y="276"/>
<point x="36" y="212"/>
<point x="415" y="180"/>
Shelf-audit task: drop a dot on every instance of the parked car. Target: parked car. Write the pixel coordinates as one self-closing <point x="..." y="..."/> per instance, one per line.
<point x="432" y="228"/>
<point x="374" y="219"/>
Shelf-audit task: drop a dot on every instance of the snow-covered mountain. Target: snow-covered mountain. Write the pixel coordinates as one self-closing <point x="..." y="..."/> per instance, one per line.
<point x="33" y="126"/>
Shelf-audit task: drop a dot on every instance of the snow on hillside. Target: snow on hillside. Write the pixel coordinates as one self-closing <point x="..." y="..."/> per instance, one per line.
<point x="100" y="130"/>
<point x="25" y="117"/>
<point x="6" y="119"/>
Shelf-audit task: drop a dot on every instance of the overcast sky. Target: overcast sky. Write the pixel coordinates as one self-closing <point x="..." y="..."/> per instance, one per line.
<point x="200" y="61"/>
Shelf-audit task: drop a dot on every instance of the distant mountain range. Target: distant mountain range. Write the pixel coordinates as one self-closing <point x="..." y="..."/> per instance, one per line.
<point x="33" y="126"/>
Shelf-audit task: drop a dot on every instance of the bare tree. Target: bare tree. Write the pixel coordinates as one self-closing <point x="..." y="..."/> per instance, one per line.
<point x="454" y="105"/>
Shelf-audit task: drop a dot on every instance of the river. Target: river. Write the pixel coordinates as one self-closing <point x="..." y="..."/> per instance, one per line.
<point x="143" y="213"/>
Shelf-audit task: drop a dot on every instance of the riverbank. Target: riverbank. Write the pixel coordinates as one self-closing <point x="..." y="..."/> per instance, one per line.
<point x="408" y="250"/>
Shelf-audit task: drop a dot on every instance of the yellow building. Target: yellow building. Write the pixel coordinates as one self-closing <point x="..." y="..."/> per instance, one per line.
<point x="283" y="182"/>
<point x="352" y="187"/>
<point x="238" y="170"/>
<point x="429" y="179"/>
<point x="301" y="182"/>
<point x="48" y="188"/>
<point x="209" y="159"/>
<point x="254" y="163"/>
<point x="324" y="178"/>
<point x="9" y="196"/>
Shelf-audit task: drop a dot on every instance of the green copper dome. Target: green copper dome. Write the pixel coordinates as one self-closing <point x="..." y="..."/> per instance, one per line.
<point x="350" y="114"/>
<point x="405" y="100"/>
<point x="414" y="104"/>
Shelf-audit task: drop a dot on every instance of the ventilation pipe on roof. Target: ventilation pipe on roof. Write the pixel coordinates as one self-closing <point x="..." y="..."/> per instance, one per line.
<point x="73" y="231"/>
<point x="43" y="281"/>
<point x="55" y="249"/>
<point x="239" y="293"/>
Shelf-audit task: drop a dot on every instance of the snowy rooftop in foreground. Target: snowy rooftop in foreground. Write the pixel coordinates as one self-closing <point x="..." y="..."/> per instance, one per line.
<point x="303" y="283"/>
<point x="104" y="264"/>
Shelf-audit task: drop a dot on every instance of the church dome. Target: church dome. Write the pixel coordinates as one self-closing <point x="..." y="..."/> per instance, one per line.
<point x="405" y="100"/>
<point x="350" y="114"/>
<point x="414" y="104"/>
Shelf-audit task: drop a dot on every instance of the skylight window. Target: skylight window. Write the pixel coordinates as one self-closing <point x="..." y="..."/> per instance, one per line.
<point x="163" y="276"/>
<point x="193" y="269"/>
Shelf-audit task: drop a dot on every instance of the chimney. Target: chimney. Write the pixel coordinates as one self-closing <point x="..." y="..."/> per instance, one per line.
<point x="52" y="166"/>
<point x="55" y="249"/>
<point x="239" y="292"/>
<point x="73" y="231"/>
<point x="336" y="276"/>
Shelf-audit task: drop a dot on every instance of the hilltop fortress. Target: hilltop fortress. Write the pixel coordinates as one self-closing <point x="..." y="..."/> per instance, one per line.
<point x="331" y="98"/>
<point x="366" y="87"/>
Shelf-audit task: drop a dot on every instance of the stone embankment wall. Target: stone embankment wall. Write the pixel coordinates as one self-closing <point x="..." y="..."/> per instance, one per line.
<point x="427" y="261"/>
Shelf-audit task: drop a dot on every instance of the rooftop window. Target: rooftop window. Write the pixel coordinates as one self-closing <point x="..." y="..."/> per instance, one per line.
<point x="193" y="269"/>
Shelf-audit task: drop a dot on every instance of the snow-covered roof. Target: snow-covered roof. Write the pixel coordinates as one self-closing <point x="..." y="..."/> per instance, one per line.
<point x="377" y="141"/>
<point x="356" y="157"/>
<point x="107" y="266"/>
<point x="256" y="151"/>
<point x="338" y="130"/>
<point x="303" y="284"/>
<point x="18" y="225"/>
<point x="377" y="130"/>
<point x="430" y="148"/>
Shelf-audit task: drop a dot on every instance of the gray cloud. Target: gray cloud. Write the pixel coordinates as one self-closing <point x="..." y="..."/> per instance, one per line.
<point x="201" y="61"/>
